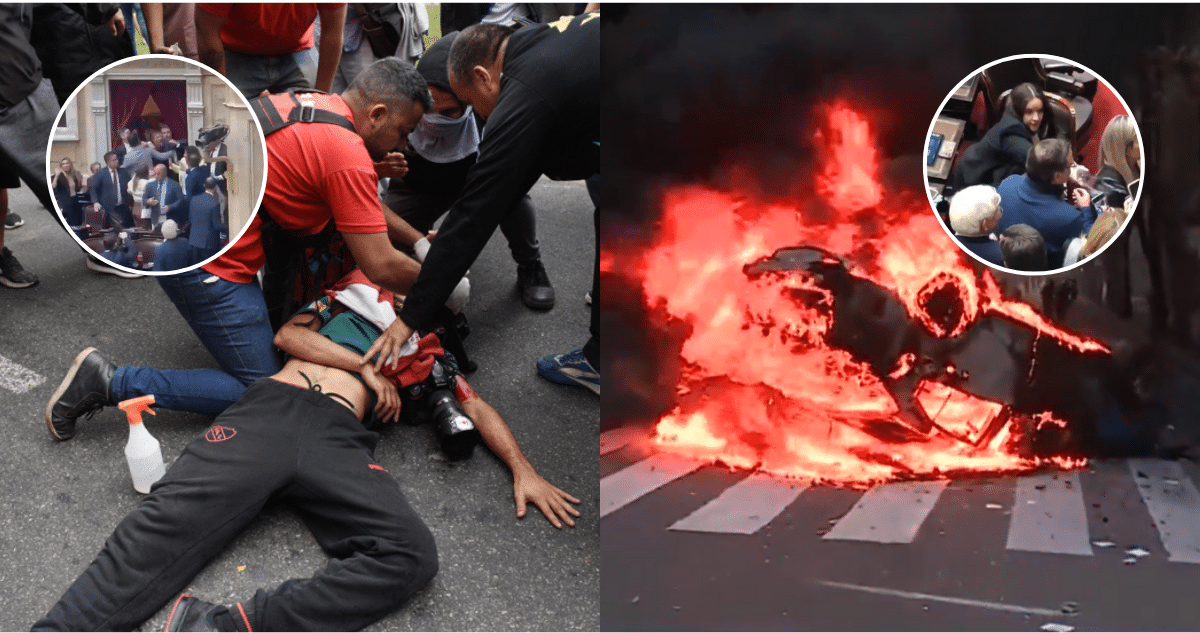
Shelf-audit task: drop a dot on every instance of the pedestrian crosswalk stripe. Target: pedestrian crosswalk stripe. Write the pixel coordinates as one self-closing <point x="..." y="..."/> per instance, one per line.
<point x="1174" y="503"/>
<point x="16" y="378"/>
<point x="617" y="439"/>
<point x="889" y="513"/>
<point x="1048" y="515"/>
<point x="745" y="507"/>
<point x="626" y="486"/>
<point x="1056" y="522"/>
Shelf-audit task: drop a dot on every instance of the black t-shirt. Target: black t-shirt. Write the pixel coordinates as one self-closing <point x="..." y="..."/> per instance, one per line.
<point x="546" y="120"/>
<point x="20" y="71"/>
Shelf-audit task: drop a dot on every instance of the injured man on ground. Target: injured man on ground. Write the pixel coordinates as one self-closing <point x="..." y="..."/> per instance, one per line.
<point x="303" y="436"/>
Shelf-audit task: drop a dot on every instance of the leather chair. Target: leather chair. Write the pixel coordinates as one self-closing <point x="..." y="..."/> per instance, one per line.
<point x="146" y="246"/>
<point x="94" y="218"/>
<point x="1065" y="117"/>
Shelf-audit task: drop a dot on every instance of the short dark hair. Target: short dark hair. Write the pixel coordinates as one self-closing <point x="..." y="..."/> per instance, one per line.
<point x="477" y="45"/>
<point x="1048" y="158"/>
<point x="193" y="155"/>
<point x="394" y="82"/>
<point x="1023" y="248"/>
<point x="210" y="183"/>
<point x="110" y="240"/>
<point x="133" y="137"/>
<point x="107" y="154"/>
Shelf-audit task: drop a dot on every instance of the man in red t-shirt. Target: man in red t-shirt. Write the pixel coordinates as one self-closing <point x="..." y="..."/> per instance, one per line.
<point x="318" y="172"/>
<point x="269" y="46"/>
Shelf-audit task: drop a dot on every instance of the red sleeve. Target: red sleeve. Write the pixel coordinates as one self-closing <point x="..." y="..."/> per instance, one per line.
<point x="219" y="9"/>
<point x="352" y="194"/>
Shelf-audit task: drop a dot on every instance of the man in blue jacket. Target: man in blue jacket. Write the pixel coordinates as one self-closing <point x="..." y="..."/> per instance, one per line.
<point x="163" y="197"/>
<point x="204" y="213"/>
<point x="109" y="187"/>
<point x="974" y="212"/>
<point x="119" y="249"/>
<point x="1036" y="199"/>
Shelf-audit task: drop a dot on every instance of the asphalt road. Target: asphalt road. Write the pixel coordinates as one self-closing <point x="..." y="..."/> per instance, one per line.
<point x="62" y="499"/>
<point x="1005" y="554"/>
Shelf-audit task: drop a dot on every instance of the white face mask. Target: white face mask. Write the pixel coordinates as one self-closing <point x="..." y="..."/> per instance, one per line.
<point x="441" y="139"/>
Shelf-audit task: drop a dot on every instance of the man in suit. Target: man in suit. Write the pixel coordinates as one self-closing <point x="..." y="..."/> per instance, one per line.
<point x="124" y="147"/>
<point x="109" y="186"/>
<point x="1036" y="199"/>
<point x="119" y="249"/>
<point x="204" y="212"/>
<point x="163" y="197"/>
<point x="169" y="144"/>
<point x="174" y="253"/>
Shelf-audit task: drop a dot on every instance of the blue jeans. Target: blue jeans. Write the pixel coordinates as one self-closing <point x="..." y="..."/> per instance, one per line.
<point x="274" y="73"/>
<point x="231" y="320"/>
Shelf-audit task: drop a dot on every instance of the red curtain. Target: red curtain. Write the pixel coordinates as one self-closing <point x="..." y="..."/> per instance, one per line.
<point x="127" y="98"/>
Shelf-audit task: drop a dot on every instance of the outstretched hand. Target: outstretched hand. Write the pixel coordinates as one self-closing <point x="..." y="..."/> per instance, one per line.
<point x="388" y="344"/>
<point x="1080" y="198"/>
<point x="532" y="488"/>
<point x="394" y="165"/>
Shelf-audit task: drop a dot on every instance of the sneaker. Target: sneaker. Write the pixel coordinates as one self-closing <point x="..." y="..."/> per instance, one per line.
<point x="94" y="264"/>
<point x="85" y="389"/>
<point x="534" y="283"/>
<point x="12" y="274"/>
<point x="12" y="220"/>
<point x="570" y="369"/>
<point x="190" y="613"/>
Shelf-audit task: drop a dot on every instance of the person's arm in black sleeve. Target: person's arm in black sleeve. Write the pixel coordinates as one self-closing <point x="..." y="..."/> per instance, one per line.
<point x="1016" y="149"/>
<point x="507" y="168"/>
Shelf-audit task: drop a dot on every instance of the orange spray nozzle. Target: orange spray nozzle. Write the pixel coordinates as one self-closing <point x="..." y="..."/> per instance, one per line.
<point x="134" y="407"/>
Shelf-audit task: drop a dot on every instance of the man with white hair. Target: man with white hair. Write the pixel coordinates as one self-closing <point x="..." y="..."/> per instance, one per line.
<point x="974" y="214"/>
<point x="175" y="253"/>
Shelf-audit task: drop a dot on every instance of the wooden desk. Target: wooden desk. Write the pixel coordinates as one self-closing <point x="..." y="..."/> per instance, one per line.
<point x="962" y="100"/>
<point x="952" y="130"/>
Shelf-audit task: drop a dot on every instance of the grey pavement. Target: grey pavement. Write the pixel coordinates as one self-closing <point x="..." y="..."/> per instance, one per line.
<point x="62" y="499"/>
<point x="990" y="554"/>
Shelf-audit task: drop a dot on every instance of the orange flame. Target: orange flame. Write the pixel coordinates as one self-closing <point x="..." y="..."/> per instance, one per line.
<point x="761" y="387"/>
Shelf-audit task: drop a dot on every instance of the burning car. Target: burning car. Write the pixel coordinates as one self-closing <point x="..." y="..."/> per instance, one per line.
<point x="871" y="352"/>
<point x="947" y="369"/>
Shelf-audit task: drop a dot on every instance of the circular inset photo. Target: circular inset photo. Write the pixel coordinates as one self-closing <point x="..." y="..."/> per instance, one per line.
<point x="1033" y="164"/>
<point x="157" y="165"/>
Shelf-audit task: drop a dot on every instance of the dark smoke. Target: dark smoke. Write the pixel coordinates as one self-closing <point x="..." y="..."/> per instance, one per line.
<point x="724" y="94"/>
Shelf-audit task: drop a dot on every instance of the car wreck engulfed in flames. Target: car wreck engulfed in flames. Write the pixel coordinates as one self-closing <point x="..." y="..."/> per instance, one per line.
<point x="947" y="370"/>
<point x="841" y="337"/>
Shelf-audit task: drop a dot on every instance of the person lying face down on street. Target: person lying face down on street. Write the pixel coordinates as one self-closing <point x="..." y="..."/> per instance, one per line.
<point x="298" y="436"/>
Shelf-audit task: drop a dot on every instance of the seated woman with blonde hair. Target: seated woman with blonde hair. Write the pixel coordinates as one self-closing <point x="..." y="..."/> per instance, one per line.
<point x="1120" y="160"/>
<point x="1106" y="228"/>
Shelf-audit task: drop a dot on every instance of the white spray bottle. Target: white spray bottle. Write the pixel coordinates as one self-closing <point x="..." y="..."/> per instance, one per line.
<point x="142" y="451"/>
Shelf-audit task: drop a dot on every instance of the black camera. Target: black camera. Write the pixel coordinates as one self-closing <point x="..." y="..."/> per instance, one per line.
<point x="433" y="400"/>
<point x="210" y="134"/>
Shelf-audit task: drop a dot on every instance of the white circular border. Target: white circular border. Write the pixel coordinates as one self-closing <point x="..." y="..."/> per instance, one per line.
<point x="262" y="188"/>
<point x="1142" y="166"/>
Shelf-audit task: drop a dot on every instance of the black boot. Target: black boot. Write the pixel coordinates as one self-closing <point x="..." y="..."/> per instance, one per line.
<point x="534" y="283"/>
<point x="85" y="389"/>
<point x="193" y="614"/>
